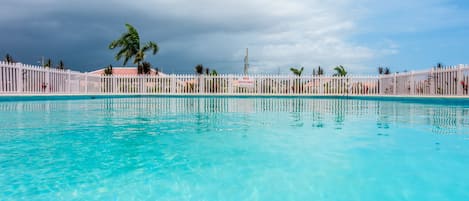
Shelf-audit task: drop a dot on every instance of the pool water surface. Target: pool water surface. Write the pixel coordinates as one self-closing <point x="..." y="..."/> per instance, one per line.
<point x="156" y="148"/>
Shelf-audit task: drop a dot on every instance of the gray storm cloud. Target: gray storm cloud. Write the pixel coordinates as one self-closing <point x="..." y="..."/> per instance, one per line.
<point x="280" y="34"/>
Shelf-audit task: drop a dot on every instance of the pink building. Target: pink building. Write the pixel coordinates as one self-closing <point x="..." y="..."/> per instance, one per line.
<point x="124" y="71"/>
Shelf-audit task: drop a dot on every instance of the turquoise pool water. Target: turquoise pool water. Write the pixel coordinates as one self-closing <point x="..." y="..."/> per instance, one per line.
<point x="154" y="148"/>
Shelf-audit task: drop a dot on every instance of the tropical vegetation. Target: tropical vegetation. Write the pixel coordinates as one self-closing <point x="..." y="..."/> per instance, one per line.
<point x="61" y="65"/>
<point x="297" y="71"/>
<point x="199" y="69"/>
<point x="48" y="63"/>
<point x="340" y="71"/>
<point x="319" y="71"/>
<point x="8" y="58"/>
<point x="131" y="48"/>
<point x="108" y="70"/>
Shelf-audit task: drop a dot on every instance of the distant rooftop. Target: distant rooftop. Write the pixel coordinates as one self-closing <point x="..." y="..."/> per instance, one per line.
<point x="124" y="71"/>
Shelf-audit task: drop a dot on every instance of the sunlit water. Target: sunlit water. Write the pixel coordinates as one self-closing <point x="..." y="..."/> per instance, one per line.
<point x="233" y="149"/>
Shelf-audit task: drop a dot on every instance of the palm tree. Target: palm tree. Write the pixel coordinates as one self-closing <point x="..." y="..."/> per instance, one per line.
<point x="340" y="71"/>
<point x="9" y="59"/>
<point x="384" y="71"/>
<point x="297" y="85"/>
<point x="199" y="69"/>
<point x="320" y="71"/>
<point x="130" y="46"/>
<point x="48" y="63"/>
<point x="214" y="73"/>
<point x="296" y="71"/>
<point x="387" y="71"/>
<point x="61" y="65"/>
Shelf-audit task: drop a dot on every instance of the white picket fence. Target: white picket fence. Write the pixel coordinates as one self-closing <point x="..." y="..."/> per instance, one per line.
<point x="446" y="81"/>
<point x="28" y="79"/>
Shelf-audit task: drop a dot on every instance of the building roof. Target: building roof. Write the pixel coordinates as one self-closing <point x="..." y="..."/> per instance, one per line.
<point x="124" y="71"/>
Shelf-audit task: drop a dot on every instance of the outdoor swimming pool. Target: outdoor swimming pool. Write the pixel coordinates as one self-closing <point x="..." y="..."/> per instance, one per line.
<point x="183" y="148"/>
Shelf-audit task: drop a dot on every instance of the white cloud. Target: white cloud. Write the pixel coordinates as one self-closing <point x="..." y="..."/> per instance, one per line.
<point x="279" y="33"/>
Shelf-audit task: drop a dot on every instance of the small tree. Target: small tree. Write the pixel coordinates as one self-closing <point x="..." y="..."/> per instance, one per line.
<point x="199" y="69"/>
<point x="387" y="71"/>
<point x="48" y="64"/>
<point x="318" y="71"/>
<point x="61" y="65"/>
<point x="8" y="59"/>
<point x="384" y="71"/>
<point x="146" y="68"/>
<point x="108" y="70"/>
<point x="380" y="70"/>
<point x="214" y="73"/>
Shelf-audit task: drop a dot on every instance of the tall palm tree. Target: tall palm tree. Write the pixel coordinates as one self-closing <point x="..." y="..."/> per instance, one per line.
<point x="340" y="71"/>
<point x="130" y="46"/>
<point x="61" y="65"/>
<point x="296" y="71"/>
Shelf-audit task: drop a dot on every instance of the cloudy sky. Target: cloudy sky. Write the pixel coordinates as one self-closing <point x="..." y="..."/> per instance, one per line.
<point x="359" y="34"/>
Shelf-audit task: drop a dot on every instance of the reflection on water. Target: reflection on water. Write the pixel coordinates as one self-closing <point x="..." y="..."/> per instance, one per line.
<point x="321" y="112"/>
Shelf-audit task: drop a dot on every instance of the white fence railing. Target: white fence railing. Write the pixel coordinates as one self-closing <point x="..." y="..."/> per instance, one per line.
<point x="447" y="81"/>
<point x="27" y="79"/>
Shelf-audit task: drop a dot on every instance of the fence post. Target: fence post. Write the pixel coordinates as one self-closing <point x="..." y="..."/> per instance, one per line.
<point x="432" y="82"/>
<point x="86" y="83"/>
<point x="173" y="84"/>
<point x="19" y="78"/>
<point x="69" y="81"/>
<point x="47" y="80"/>
<point x="115" y="88"/>
<point x="380" y="85"/>
<point x="230" y="84"/>
<point x="321" y="85"/>
<point x="394" y="85"/>
<point x="459" y="85"/>
<point x="202" y="84"/>
<point x="412" y="83"/>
